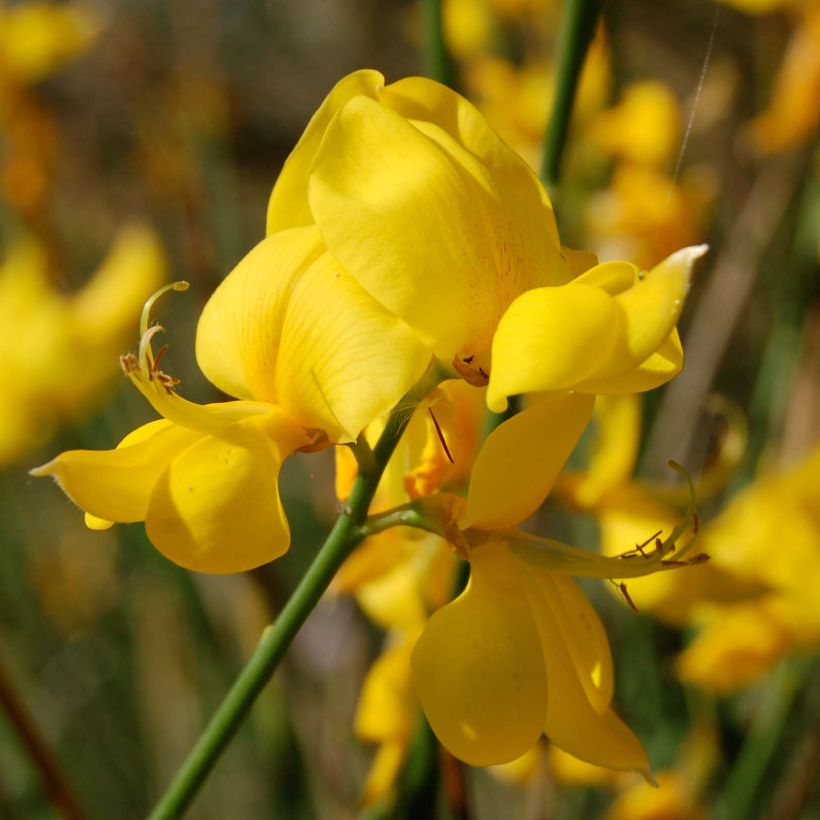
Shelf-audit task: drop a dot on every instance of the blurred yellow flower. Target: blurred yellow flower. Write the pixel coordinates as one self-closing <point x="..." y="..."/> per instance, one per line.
<point x="768" y="535"/>
<point x="38" y="37"/>
<point x="312" y="358"/>
<point x="644" y="128"/>
<point x="65" y="346"/>
<point x="793" y="112"/>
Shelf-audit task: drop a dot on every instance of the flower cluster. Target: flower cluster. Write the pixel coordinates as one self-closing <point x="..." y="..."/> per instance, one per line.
<point x="407" y="246"/>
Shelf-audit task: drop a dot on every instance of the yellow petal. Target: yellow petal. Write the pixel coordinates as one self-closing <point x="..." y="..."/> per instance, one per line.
<point x="115" y="485"/>
<point x="216" y="507"/>
<point x="288" y="206"/>
<point x="579" y="672"/>
<point x="343" y="360"/>
<point x="239" y="330"/>
<point x="664" y="364"/>
<point x="478" y="667"/>
<point x="290" y="326"/>
<point x="650" y="311"/>
<point x="422" y="100"/>
<point x="614" y="451"/>
<point x="551" y="339"/>
<point x="521" y="459"/>
<point x="424" y="226"/>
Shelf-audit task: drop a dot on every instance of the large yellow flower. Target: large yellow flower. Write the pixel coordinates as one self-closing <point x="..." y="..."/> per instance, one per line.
<point x="521" y="652"/>
<point x="312" y="358"/>
<point x="446" y="227"/>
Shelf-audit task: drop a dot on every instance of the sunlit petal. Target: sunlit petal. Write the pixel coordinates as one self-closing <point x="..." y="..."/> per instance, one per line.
<point x="115" y="485"/>
<point x="579" y="719"/>
<point x="419" y="222"/>
<point x="478" y="667"/>
<point x="551" y="339"/>
<point x="521" y="459"/>
<point x="216" y="507"/>
<point x="288" y="206"/>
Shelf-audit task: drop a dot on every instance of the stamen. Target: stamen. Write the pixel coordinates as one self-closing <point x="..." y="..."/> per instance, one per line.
<point x="149" y="303"/>
<point x="441" y="436"/>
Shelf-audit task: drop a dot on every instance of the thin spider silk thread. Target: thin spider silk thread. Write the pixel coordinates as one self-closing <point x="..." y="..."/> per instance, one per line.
<point x="710" y="45"/>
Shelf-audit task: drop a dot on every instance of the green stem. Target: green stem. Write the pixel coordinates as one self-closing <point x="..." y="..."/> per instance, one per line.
<point x="437" y="61"/>
<point x="276" y="639"/>
<point x="577" y="28"/>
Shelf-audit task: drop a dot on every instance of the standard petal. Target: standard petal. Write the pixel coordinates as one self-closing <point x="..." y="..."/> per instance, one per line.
<point x="115" y="485"/>
<point x="216" y="507"/>
<point x="579" y="671"/>
<point x="421" y="99"/>
<point x="419" y="221"/>
<point x="343" y="359"/>
<point x="650" y="311"/>
<point x="551" y="339"/>
<point x="478" y="667"/>
<point x="238" y="335"/>
<point x="288" y="206"/>
<point x="521" y="459"/>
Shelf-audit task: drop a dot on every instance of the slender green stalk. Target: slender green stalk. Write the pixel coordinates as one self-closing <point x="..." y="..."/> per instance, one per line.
<point x="577" y="28"/>
<point x="437" y="61"/>
<point x="276" y="639"/>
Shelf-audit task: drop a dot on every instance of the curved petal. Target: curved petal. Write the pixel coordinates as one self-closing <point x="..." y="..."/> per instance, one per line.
<point x="420" y="223"/>
<point x="664" y="364"/>
<point x="521" y="459"/>
<point x="478" y="667"/>
<point x="239" y="330"/>
<point x="115" y="485"/>
<point x="551" y="339"/>
<point x="650" y="311"/>
<point x="520" y="191"/>
<point x="288" y="206"/>
<point x="343" y="359"/>
<point x="216" y="507"/>
<point x="579" y="670"/>
<point x="290" y="326"/>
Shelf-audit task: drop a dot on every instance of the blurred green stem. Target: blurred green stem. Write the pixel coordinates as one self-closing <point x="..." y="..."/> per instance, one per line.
<point x="741" y="792"/>
<point x="437" y="61"/>
<point x="577" y="29"/>
<point x="344" y="536"/>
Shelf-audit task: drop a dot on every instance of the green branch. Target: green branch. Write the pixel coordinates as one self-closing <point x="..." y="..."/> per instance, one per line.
<point x="345" y="535"/>
<point x="438" y="63"/>
<point x="577" y="29"/>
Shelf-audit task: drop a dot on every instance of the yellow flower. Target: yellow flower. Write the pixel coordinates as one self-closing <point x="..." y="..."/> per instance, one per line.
<point x="312" y="359"/>
<point x="65" y="344"/>
<point x="37" y="37"/>
<point x="521" y="651"/>
<point x="440" y="222"/>
<point x="644" y="128"/>
<point x="793" y="112"/>
<point x="768" y="535"/>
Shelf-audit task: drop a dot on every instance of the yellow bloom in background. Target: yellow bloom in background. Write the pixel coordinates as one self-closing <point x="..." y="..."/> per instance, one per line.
<point x="629" y="510"/>
<point x="644" y="128"/>
<point x="66" y="345"/>
<point x="37" y="38"/>
<point x="312" y="358"/>
<point x="793" y="112"/>
<point x="521" y="652"/>
<point x="769" y="535"/>
<point x="481" y="276"/>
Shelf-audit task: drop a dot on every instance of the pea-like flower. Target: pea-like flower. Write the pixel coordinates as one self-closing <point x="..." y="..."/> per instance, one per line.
<point x="417" y="197"/>
<point x="522" y="652"/>
<point x="312" y="359"/>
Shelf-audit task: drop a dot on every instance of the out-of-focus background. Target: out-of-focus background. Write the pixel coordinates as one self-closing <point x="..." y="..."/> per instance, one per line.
<point x="139" y="143"/>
